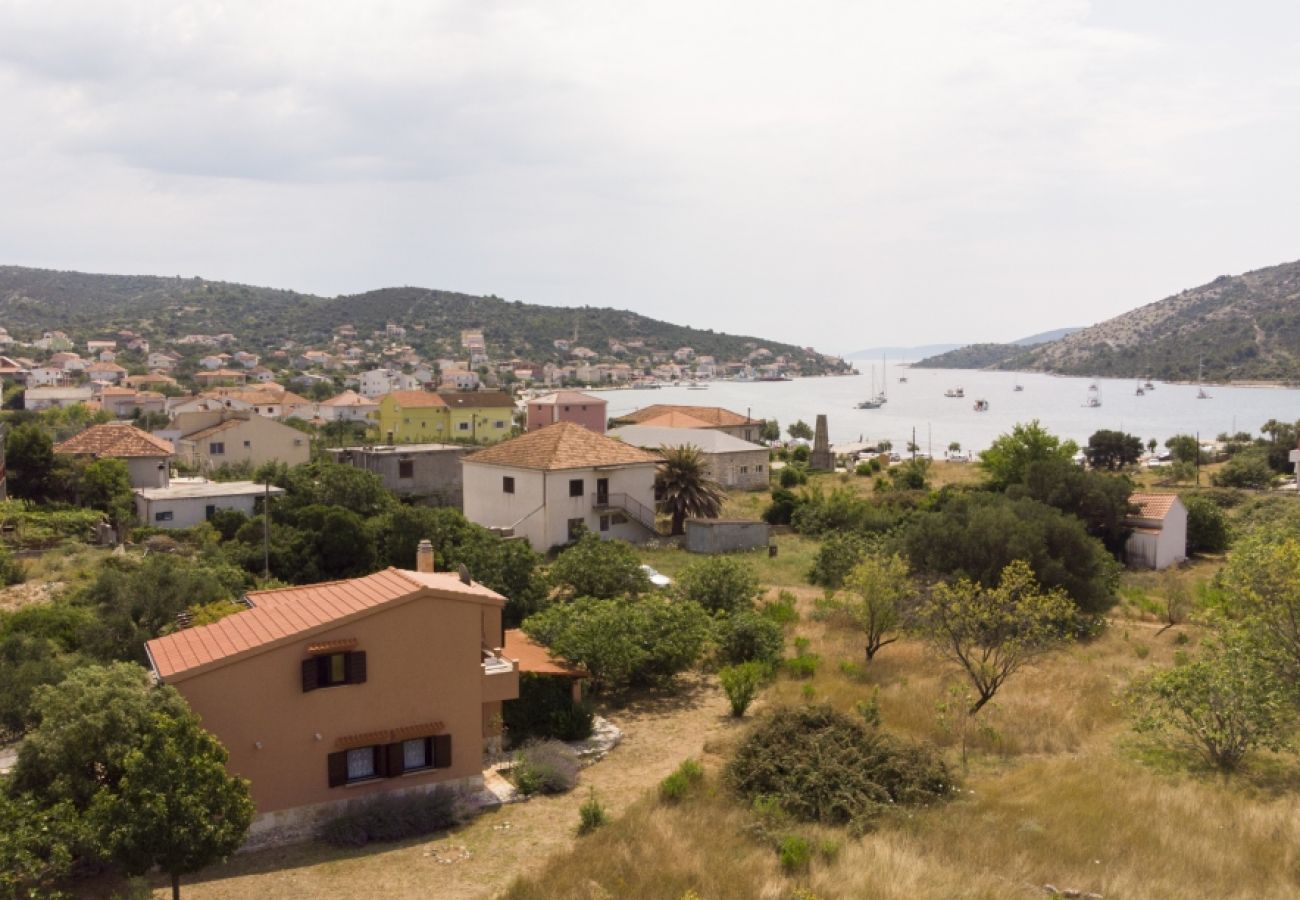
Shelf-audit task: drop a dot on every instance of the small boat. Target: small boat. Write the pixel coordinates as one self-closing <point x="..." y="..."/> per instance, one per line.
<point x="775" y="378"/>
<point x="955" y="392"/>
<point x="1148" y="386"/>
<point x="1200" y="374"/>
<point x="1094" y="397"/>
<point x="646" y="386"/>
<point x="902" y="379"/>
<point x="1202" y="395"/>
<point x="869" y="404"/>
<point x="1140" y="392"/>
<point x="1018" y="387"/>
<point x="981" y="406"/>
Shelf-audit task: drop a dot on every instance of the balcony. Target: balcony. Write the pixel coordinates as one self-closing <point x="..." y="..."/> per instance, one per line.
<point x="500" y="677"/>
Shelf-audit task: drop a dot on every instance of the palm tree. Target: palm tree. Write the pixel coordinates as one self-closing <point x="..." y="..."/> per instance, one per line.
<point x="683" y="489"/>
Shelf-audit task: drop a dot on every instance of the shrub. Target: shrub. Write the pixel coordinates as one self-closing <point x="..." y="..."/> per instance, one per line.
<point x="591" y="814"/>
<point x="1249" y="469"/>
<point x="749" y="636"/>
<point x="544" y="767"/>
<point x="795" y="854"/>
<point x="1207" y="526"/>
<point x="719" y="584"/>
<point x="839" y="552"/>
<point x="803" y="666"/>
<point x="741" y="684"/>
<point x="678" y="784"/>
<point x="545" y="709"/>
<point x="822" y="766"/>
<point x="782" y="609"/>
<point x="597" y="568"/>
<point x="394" y="817"/>
<point x="11" y="570"/>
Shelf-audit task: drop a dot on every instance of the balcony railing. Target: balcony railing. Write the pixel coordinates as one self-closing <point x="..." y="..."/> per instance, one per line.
<point x="629" y="505"/>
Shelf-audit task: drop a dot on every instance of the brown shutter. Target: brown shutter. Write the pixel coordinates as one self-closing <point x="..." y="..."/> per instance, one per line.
<point x="338" y="768"/>
<point x="310" y="681"/>
<point x="357" y="667"/>
<point x="395" y="762"/>
<point x="380" y="752"/>
<point x="442" y="751"/>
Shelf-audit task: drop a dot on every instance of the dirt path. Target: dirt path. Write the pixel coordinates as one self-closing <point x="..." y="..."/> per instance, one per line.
<point x="482" y="858"/>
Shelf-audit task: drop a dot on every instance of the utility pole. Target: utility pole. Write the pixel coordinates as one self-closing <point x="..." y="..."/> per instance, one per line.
<point x="1198" y="459"/>
<point x="913" y="443"/>
<point x="266" y="531"/>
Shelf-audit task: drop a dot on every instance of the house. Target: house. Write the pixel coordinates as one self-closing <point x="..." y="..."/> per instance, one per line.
<point x="459" y="378"/>
<point x="146" y="456"/>
<point x="479" y="416"/>
<point x="412" y="417"/>
<point x="186" y="502"/>
<point x="105" y="371"/>
<point x="220" y="376"/>
<point x="348" y="406"/>
<point x="323" y="694"/>
<point x="268" y="400"/>
<point x="165" y="360"/>
<point x="156" y="380"/>
<point x="664" y="415"/>
<point x="13" y="370"/>
<point x="226" y="438"/>
<point x="567" y="406"/>
<point x="729" y="461"/>
<point x="551" y="484"/>
<point x="125" y="402"/>
<point x="46" y="376"/>
<point x="38" y="398"/>
<point x="424" y="473"/>
<point x="1159" y="537"/>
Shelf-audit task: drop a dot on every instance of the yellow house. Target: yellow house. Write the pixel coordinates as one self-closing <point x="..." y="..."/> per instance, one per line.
<point x="412" y="417"/>
<point x="479" y="416"/>
<point x="417" y="417"/>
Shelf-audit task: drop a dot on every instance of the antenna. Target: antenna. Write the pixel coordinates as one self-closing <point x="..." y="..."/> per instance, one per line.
<point x="464" y="574"/>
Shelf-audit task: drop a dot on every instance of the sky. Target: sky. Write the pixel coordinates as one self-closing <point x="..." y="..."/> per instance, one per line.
<point x="835" y="174"/>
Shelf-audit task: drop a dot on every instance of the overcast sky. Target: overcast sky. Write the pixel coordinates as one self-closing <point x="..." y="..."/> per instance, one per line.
<point x="842" y="174"/>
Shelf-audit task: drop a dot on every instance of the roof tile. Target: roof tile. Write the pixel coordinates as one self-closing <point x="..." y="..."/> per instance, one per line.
<point x="117" y="440"/>
<point x="564" y="445"/>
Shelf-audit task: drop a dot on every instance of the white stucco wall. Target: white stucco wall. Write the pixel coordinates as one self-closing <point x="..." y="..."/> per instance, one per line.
<point x="188" y="511"/>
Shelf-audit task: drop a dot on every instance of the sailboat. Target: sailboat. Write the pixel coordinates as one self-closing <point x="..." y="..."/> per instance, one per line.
<point x="981" y="406"/>
<point x="1094" y="397"/>
<point x="1200" y="373"/>
<point x="874" y="402"/>
<point x="1140" y="392"/>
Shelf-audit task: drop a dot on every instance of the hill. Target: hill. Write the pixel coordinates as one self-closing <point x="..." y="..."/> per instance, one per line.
<point x="1044" y="337"/>
<point x="1245" y="327"/>
<point x="973" y="356"/>
<point x="89" y="305"/>
<point x="902" y="352"/>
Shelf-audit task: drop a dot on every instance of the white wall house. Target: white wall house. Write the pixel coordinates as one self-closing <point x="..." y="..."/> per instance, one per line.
<point x="547" y="483"/>
<point x="1159" y="537"/>
<point x="190" y="501"/>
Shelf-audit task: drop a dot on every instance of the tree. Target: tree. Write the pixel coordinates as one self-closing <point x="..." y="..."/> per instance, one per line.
<point x="800" y="430"/>
<point x="684" y="489"/>
<point x="954" y="447"/>
<point x="1262" y="580"/>
<point x="976" y="536"/>
<point x="992" y="633"/>
<point x="1207" y="526"/>
<point x="29" y="458"/>
<point x="1112" y="449"/>
<point x="1282" y="439"/>
<point x="1248" y="469"/>
<point x="105" y="484"/>
<point x="911" y="475"/>
<point x="36" y="846"/>
<point x="1184" y="448"/>
<point x="1097" y="499"/>
<point x="872" y="602"/>
<point x="1222" y="705"/>
<point x="597" y="568"/>
<point x="175" y="806"/>
<point x="719" y="584"/>
<point x="771" y="430"/>
<point x="1007" y="459"/>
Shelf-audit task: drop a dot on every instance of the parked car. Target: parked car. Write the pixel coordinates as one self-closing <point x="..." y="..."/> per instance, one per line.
<point x="658" y="579"/>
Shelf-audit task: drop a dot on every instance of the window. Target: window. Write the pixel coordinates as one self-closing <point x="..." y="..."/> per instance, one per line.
<point x="566" y="409"/>
<point x="758" y="468"/>
<point x="247" y="444"/>
<point x="417" y="754"/>
<point x="389" y="760"/>
<point x="333" y="669"/>
<point x="216" y="448"/>
<point x="575" y="487"/>
<point x="499" y="423"/>
<point x="209" y="511"/>
<point x="744" y="470"/>
<point x="406" y="468"/>
<point x="165" y="516"/>
<point x="297" y="442"/>
<point x="507" y="484"/>
<point x="361" y="763"/>
<point x="604" y="523"/>
<point x="462" y="426"/>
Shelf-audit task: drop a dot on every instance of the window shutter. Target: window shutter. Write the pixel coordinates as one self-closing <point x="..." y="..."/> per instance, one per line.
<point x="380" y="752"/>
<point x="396" y="763"/>
<point x="338" y="768"/>
<point x="310" y="681"/>
<point x="442" y="751"/>
<point x="357" y="667"/>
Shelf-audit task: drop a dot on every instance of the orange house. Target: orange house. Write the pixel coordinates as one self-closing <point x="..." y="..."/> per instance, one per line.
<point x="330" y="692"/>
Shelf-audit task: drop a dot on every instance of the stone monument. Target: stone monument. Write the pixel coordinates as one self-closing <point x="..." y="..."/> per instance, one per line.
<point x="821" y="459"/>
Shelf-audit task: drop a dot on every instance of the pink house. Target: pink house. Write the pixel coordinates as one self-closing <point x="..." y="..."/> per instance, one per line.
<point x="567" y="406"/>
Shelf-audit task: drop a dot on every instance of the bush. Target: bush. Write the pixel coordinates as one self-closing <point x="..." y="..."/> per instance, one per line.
<point x="844" y="509"/>
<point x="741" y="684"/>
<point x="795" y="854"/>
<point x="1249" y="469"/>
<point x="625" y="642"/>
<point x="11" y="570"/>
<point x="803" y="666"/>
<point x="822" y="766"/>
<point x="749" y="636"/>
<point x="784" y="503"/>
<point x="678" y="784"/>
<point x="545" y="709"/>
<point x="597" y="568"/>
<point x="544" y="767"/>
<point x="839" y="552"/>
<point x="1207" y="526"/>
<point x="719" y="584"/>
<point x="781" y="610"/>
<point x="591" y="814"/>
<point x="395" y="817"/>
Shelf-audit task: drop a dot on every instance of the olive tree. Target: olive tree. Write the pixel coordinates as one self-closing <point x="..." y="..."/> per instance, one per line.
<point x="872" y="602"/>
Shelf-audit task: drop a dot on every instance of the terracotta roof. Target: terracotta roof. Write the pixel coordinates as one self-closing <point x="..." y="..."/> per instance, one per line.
<point x="1152" y="506"/>
<point x="713" y="416"/>
<point x="348" y="398"/>
<point x="208" y="432"/>
<point x="286" y="614"/>
<point x="566" y="397"/>
<point x="478" y="400"/>
<point x="674" y="420"/>
<point x="535" y="658"/>
<point x="564" y="445"/>
<point x="415" y="399"/>
<point x="118" y="440"/>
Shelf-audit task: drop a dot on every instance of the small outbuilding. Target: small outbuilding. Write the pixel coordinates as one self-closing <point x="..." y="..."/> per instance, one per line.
<point x="1159" y="538"/>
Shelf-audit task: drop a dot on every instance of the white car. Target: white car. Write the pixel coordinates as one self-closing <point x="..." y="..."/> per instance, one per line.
<point x="657" y="578"/>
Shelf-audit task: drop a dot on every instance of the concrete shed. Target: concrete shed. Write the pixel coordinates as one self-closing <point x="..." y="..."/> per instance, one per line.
<point x="1159" y="536"/>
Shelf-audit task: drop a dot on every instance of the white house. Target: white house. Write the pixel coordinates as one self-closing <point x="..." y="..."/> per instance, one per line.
<point x="550" y="483"/>
<point x="190" y="501"/>
<point x="348" y="406"/>
<point x="730" y="461"/>
<point x="1159" y="537"/>
<point x="38" y="398"/>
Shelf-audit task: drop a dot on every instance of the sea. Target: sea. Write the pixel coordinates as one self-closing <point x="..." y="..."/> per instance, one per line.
<point x="918" y="406"/>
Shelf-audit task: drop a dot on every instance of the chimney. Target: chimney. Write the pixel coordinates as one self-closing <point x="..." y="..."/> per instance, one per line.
<point x="424" y="556"/>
